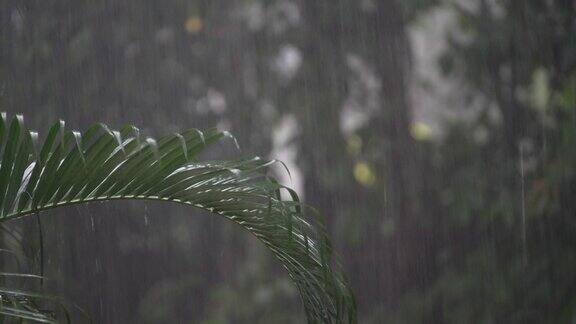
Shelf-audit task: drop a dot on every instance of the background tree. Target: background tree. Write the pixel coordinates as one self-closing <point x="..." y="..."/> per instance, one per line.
<point x="463" y="215"/>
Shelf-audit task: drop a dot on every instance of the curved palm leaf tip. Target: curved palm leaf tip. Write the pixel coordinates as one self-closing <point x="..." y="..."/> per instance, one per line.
<point x="104" y="164"/>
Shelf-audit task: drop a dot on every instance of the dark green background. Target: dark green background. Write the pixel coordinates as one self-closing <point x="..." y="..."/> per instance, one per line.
<point x="475" y="223"/>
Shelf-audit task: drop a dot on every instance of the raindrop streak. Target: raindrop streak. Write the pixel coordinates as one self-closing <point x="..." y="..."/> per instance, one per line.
<point x="145" y="215"/>
<point x="523" y="207"/>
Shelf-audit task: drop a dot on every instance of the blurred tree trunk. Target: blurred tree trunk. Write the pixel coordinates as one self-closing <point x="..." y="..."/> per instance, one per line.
<point x="407" y="260"/>
<point x="321" y="89"/>
<point x="391" y="59"/>
<point x="333" y="32"/>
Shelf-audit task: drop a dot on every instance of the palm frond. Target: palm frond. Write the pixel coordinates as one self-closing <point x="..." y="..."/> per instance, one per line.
<point x="104" y="164"/>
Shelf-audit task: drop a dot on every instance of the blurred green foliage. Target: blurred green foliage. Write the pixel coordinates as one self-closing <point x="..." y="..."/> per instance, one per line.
<point x="474" y="225"/>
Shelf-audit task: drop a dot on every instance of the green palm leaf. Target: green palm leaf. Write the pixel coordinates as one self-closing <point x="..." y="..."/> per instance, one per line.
<point x="104" y="164"/>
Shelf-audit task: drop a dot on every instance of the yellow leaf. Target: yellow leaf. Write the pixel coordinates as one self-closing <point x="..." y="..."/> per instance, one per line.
<point x="420" y="131"/>
<point x="540" y="89"/>
<point x="364" y="174"/>
<point x="193" y="25"/>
